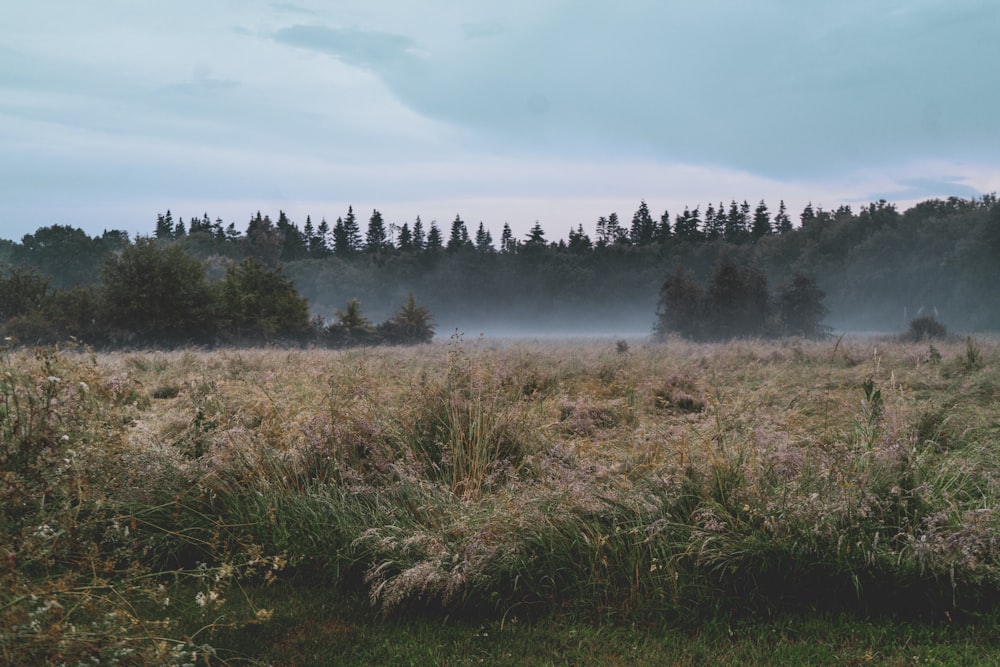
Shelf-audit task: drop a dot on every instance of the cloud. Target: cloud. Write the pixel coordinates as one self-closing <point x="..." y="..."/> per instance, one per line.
<point x="292" y="8"/>
<point x="357" y="47"/>
<point x="783" y="88"/>
<point x="483" y="29"/>
<point x="914" y="189"/>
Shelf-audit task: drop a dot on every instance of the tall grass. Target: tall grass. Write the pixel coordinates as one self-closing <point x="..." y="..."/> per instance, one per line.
<point x="669" y="482"/>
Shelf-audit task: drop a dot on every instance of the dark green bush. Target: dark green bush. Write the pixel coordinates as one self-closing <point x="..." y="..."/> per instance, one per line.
<point x="926" y="327"/>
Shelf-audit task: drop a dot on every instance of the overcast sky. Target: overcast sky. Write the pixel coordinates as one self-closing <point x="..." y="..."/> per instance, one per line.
<point x="560" y="111"/>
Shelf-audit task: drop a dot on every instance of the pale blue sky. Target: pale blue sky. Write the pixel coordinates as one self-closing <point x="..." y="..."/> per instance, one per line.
<point x="112" y="111"/>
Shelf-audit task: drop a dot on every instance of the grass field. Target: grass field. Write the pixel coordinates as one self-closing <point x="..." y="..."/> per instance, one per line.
<point x="483" y="502"/>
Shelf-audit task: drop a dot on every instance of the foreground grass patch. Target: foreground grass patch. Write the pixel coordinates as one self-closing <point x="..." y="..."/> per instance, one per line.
<point x="161" y="508"/>
<point x="342" y="630"/>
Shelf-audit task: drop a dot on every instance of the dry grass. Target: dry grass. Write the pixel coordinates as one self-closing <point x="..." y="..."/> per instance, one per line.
<point x="656" y="479"/>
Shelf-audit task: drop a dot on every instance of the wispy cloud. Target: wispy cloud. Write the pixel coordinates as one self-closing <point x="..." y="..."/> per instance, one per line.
<point x="357" y="47"/>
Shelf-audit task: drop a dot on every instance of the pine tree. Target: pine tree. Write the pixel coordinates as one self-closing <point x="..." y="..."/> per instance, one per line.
<point x="459" y="236"/>
<point x="352" y="231"/>
<point x="418" y="234"/>
<point x="616" y="233"/>
<point x="643" y="230"/>
<point x="714" y="224"/>
<point x="405" y="238"/>
<point x="164" y="226"/>
<point x="294" y="245"/>
<point x="434" y="242"/>
<point x="686" y="225"/>
<point x="536" y="236"/>
<point x="782" y="223"/>
<point x="602" y="232"/>
<point x="579" y="242"/>
<point x="808" y="216"/>
<point x="341" y="242"/>
<point x="664" y="233"/>
<point x="375" y="238"/>
<point x="484" y="241"/>
<point x="412" y="324"/>
<point x="761" y="222"/>
<point x="508" y="244"/>
<point x="309" y="233"/>
<point x="735" y="224"/>
<point x="263" y="241"/>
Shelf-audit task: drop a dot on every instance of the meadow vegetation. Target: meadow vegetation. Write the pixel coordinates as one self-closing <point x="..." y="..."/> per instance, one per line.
<point x="169" y="507"/>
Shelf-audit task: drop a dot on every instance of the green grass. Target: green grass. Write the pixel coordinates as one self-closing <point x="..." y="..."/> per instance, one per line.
<point x="342" y="630"/>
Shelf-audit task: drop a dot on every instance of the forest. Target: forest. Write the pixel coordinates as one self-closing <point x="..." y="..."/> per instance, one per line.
<point x="870" y="270"/>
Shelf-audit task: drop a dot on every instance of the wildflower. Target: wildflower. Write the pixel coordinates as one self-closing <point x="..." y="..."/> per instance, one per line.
<point x="264" y="615"/>
<point x="201" y="599"/>
<point x="224" y="572"/>
<point x="45" y="531"/>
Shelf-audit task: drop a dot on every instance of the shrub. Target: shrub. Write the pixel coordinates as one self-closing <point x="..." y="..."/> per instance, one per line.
<point x="259" y="303"/>
<point x="926" y="327"/>
<point x="157" y="294"/>
<point x="411" y="324"/>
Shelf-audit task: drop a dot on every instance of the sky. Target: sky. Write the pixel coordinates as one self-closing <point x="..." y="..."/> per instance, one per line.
<point x="556" y="111"/>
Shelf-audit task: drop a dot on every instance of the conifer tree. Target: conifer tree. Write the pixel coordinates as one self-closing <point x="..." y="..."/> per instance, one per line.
<point x="405" y="238"/>
<point x="615" y="232"/>
<point x="341" y="240"/>
<point x="309" y="233"/>
<point x="375" y="239"/>
<point x="579" y="242"/>
<point x="664" y="232"/>
<point x="325" y="235"/>
<point x="643" y="230"/>
<point x="782" y="222"/>
<point x="418" y="234"/>
<point x="484" y="241"/>
<point x="508" y="244"/>
<point x="164" y="226"/>
<point x="761" y="222"/>
<point x="352" y="231"/>
<point x="536" y="236"/>
<point x="808" y="216"/>
<point x="714" y="223"/>
<point x="434" y="241"/>
<point x="459" y="236"/>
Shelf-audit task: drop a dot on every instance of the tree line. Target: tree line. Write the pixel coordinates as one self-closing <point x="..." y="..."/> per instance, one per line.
<point x="284" y="240"/>
<point x="877" y="266"/>
<point x="153" y="293"/>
